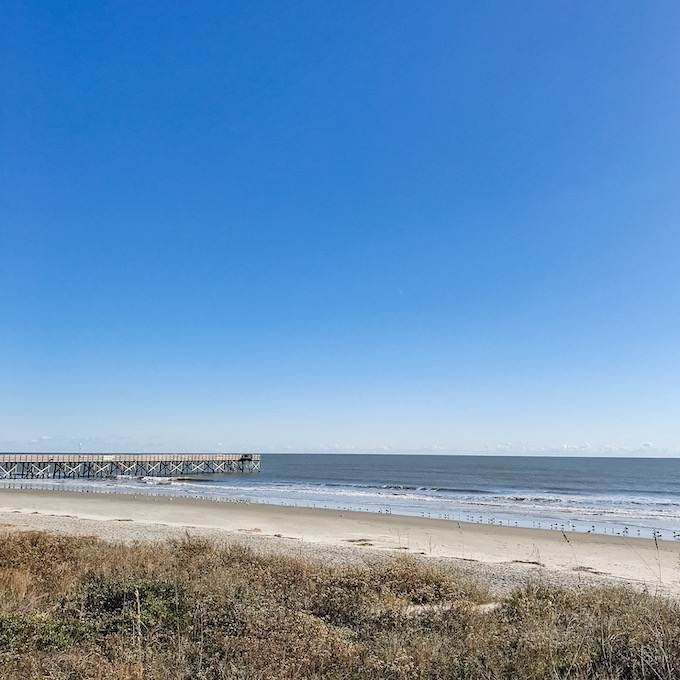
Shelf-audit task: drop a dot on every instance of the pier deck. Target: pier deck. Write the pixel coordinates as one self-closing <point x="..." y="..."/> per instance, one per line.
<point x="103" y="465"/>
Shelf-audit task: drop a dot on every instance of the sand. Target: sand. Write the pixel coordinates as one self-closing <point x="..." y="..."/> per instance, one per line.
<point x="505" y="557"/>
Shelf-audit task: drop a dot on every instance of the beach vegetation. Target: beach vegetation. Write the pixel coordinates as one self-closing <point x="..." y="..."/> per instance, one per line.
<point x="76" y="608"/>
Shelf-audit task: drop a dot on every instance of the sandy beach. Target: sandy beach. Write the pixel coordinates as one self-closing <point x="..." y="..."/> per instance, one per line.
<point x="506" y="557"/>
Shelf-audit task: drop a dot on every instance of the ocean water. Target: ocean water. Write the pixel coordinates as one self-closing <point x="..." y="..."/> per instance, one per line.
<point x="625" y="496"/>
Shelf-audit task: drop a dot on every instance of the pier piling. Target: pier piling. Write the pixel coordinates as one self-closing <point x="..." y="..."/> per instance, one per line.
<point x="107" y="465"/>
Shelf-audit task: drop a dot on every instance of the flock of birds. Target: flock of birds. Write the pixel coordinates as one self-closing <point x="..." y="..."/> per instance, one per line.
<point x="467" y="517"/>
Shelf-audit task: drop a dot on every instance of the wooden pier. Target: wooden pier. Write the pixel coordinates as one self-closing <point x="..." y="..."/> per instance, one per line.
<point x="107" y="465"/>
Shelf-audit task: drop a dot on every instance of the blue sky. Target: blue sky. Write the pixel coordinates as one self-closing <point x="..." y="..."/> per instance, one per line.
<point x="353" y="226"/>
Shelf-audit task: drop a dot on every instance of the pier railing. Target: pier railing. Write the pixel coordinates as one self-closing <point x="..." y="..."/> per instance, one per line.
<point x="103" y="465"/>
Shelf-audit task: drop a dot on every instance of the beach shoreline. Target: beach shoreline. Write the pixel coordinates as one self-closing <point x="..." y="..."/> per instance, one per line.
<point x="506" y="557"/>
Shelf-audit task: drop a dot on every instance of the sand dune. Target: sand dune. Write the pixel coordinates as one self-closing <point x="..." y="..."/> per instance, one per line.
<point x="526" y="552"/>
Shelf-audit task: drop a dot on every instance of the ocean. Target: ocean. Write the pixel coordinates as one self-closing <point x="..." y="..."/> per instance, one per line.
<point x="624" y="496"/>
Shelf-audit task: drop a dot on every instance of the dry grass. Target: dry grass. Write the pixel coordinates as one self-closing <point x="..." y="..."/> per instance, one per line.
<point x="81" y="608"/>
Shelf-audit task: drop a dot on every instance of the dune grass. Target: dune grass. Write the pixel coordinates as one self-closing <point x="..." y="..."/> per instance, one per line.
<point x="193" y="609"/>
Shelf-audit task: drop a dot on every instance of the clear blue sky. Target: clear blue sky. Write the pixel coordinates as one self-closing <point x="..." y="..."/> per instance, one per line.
<point x="340" y="226"/>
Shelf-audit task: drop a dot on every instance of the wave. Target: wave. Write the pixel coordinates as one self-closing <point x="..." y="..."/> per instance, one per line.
<point x="389" y="486"/>
<point x="394" y="487"/>
<point x="427" y="494"/>
<point x="431" y="496"/>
